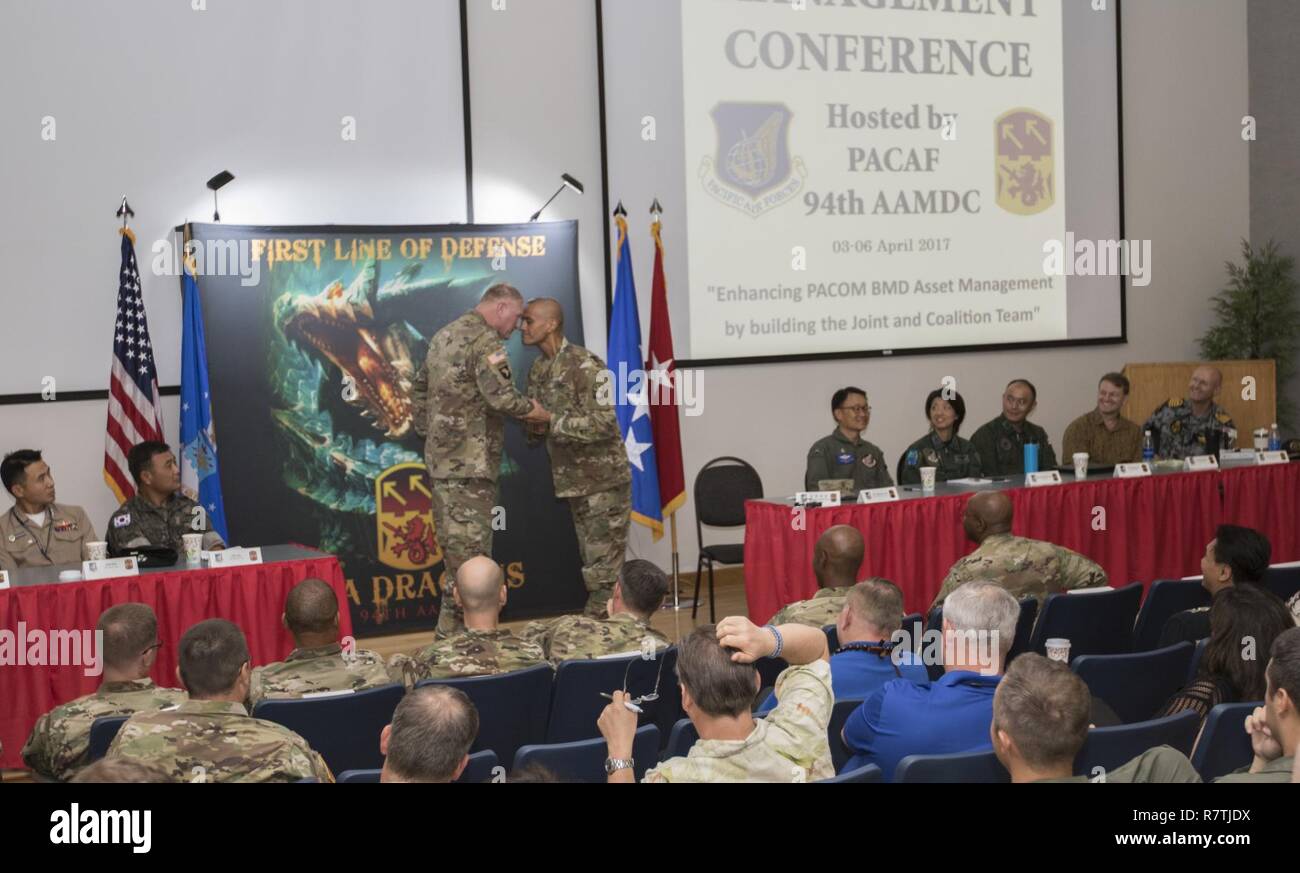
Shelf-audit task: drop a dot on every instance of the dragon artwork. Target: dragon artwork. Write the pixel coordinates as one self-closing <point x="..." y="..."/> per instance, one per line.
<point x="343" y="363"/>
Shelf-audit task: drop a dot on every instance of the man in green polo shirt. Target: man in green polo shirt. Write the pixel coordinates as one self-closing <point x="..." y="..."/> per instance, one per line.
<point x="1001" y="442"/>
<point x="844" y="454"/>
<point x="1274" y="728"/>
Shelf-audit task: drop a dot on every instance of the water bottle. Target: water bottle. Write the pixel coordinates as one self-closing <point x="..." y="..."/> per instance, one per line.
<point x="1274" y="439"/>
<point x="1031" y="457"/>
<point x="1148" y="447"/>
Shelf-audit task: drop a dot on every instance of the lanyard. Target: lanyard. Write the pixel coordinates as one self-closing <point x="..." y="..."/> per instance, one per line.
<point x="49" y="533"/>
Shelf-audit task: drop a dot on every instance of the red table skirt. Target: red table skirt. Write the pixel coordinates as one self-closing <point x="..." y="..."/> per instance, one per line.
<point x="252" y="597"/>
<point x="1137" y="529"/>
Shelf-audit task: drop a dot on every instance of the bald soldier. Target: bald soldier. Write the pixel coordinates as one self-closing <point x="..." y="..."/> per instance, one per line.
<point x="37" y="532"/>
<point x="461" y="399"/>
<point x="588" y="460"/>
<point x="483" y="647"/>
<point x="1182" y="427"/>
<point x="60" y="742"/>
<point x="837" y="559"/>
<point x="639" y="593"/>
<point x="211" y="737"/>
<point x="318" y="661"/>
<point x="1025" y="567"/>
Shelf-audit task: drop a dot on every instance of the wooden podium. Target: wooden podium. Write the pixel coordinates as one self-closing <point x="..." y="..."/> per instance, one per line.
<point x="1153" y="384"/>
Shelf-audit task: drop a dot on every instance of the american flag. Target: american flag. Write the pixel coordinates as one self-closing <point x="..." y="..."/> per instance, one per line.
<point x="134" y="407"/>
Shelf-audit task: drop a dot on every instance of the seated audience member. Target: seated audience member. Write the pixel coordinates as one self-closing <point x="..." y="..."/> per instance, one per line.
<point x="36" y="531"/>
<point x="1040" y="723"/>
<point x="1244" y="622"/>
<point x="1023" y="566"/>
<point x="318" y="661"/>
<point x="837" y="558"/>
<point x="950" y="455"/>
<point x="1182" y="427"/>
<point x="1274" y="728"/>
<point x="483" y="647"/>
<point x="953" y="713"/>
<point x="59" y="743"/>
<point x="1236" y="554"/>
<point x="1001" y="442"/>
<point x="1294" y="605"/>
<point x="844" y="454"/>
<point x="1108" y="437"/>
<point x="158" y="515"/>
<point x="211" y="737"/>
<point x="430" y="736"/>
<point x="637" y="596"/>
<point x="868" y="655"/>
<point x="715" y="668"/>
<point x="118" y="770"/>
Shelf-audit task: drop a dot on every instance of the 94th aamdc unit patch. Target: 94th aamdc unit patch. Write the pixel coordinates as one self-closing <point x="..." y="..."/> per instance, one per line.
<point x="1026" y="177"/>
<point x="404" y="518"/>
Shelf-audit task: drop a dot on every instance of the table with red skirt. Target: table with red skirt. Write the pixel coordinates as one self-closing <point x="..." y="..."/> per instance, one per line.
<point x="1138" y="529"/>
<point x="251" y="596"/>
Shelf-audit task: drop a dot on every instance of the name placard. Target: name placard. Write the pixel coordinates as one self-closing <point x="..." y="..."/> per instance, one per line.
<point x="1272" y="458"/>
<point x="110" y="568"/>
<point x="4" y="579"/>
<point x="878" y="495"/>
<point x="1200" y="462"/>
<point x="1132" y="471"/>
<point x="234" y="557"/>
<point x="825" y="498"/>
<point x="1043" y="477"/>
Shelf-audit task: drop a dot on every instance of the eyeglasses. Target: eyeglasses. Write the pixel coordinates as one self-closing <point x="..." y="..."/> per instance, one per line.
<point x="856" y="409"/>
<point x="627" y="673"/>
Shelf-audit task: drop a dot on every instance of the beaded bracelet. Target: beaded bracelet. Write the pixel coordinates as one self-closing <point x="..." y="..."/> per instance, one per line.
<point x="780" y="642"/>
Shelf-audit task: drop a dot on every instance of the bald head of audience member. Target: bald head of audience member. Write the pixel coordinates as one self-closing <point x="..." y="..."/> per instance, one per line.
<point x="1040" y="719"/>
<point x="481" y="592"/>
<point x="873" y="611"/>
<point x="430" y="736"/>
<point x="311" y="613"/>
<point x="979" y="626"/>
<point x="837" y="557"/>
<point x="130" y="645"/>
<point x="987" y="513"/>
<point x="1204" y="384"/>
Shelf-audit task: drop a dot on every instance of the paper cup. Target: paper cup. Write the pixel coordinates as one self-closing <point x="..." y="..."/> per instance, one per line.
<point x="1261" y="439"/>
<point x="193" y="543"/>
<point x="927" y="478"/>
<point x="1081" y="465"/>
<point x="96" y="551"/>
<point x="1058" y="649"/>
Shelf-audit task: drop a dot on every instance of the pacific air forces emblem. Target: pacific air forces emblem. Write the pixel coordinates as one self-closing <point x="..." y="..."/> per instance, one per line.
<point x="752" y="169"/>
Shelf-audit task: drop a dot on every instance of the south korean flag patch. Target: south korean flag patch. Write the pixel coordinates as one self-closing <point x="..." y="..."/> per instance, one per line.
<point x="122" y="520"/>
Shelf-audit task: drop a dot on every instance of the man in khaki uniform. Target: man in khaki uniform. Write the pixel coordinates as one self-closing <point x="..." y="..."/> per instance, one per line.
<point x="60" y="741"/>
<point x="1024" y="566"/>
<point x="718" y="680"/>
<point x="483" y="647"/>
<point x="639" y="593"/>
<point x="1108" y="437"/>
<point x="461" y="398"/>
<point x="1274" y="728"/>
<point x="588" y="459"/>
<point x="1040" y="722"/>
<point x="37" y="532"/>
<point x="319" y="662"/>
<point x="837" y="558"/>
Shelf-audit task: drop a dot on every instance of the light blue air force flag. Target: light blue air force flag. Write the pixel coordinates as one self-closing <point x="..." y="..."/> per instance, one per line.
<point x="200" y="480"/>
<point x="632" y="391"/>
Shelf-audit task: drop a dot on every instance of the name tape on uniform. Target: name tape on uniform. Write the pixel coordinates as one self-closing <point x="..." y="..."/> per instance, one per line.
<point x="1200" y="462"/>
<point x="234" y="557"/>
<point x="878" y="495"/>
<point x="1132" y="471"/>
<point x="1043" y="477"/>
<point x="1272" y="458"/>
<point x="825" y="498"/>
<point x="4" y="579"/>
<point x="109" y="568"/>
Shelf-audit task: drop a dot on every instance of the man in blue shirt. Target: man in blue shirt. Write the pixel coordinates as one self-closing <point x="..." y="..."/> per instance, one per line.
<point x="952" y="714"/>
<point x="867" y="657"/>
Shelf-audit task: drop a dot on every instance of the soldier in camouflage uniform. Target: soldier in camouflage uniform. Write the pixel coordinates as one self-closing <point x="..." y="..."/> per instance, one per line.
<point x="461" y="397"/>
<point x="482" y="648"/>
<point x="59" y="743"/>
<point x="952" y="456"/>
<point x="319" y="662"/>
<point x="1023" y="566"/>
<point x="837" y="558"/>
<point x="788" y="745"/>
<point x="638" y="595"/>
<point x="1001" y="442"/>
<point x="158" y="515"/>
<point x="588" y="459"/>
<point x="844" y="454"/>
<point x="211" y="737"/>
<point x="1181" y="428"/>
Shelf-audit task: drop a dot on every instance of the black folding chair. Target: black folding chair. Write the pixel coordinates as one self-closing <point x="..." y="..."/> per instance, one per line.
<point x="721" y="488"/>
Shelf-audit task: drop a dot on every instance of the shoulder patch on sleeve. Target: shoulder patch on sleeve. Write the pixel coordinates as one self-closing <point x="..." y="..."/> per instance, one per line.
<point x="122" y="520"/>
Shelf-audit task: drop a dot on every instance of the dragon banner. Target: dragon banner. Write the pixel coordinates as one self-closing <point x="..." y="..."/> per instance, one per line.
<point x="314" y="335"/>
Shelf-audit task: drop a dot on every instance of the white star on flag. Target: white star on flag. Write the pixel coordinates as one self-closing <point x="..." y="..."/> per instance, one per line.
<point x="634" y="449"/>
<point x="640" y="402"/>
